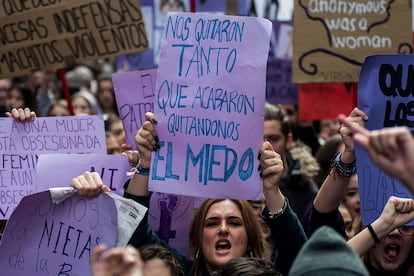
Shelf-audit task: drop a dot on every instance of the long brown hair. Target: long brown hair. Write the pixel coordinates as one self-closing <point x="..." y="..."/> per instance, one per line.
<point x="256" y="243"/>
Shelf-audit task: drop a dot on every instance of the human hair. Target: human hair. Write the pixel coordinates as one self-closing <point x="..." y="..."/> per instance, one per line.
<point x="275" y="112"/>
<point x="27" y="96"/>
<point x="247" y="266"/>
<point x="60" y="103"/>
<point x="110" y="120"/>
<point x="106" y="103"/>
<point x="157" y="251"/>
<point x="104" y="77"/>
<point x="86" y="100"/>
<point x="324" y="156"/>
<point x="406" y="267"/>
<point x="256" y="243"/>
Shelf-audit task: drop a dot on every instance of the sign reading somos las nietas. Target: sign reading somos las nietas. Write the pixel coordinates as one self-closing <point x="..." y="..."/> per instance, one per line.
<point x="331" y="38"/>
<point x="71" y="32"/>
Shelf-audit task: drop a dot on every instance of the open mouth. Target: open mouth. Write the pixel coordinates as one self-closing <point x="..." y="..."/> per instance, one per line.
<point x="223" y="246"/>
<point x="391" y="251"/>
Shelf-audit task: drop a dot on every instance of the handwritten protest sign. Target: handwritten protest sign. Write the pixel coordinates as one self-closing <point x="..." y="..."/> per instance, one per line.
<point x="145" y="59"/>
<point x="209" y="104"/>
<point x="332" y="38"/>
<point x="57" y="170"/>
<point x="71" y="32"/>
<point x="134" y="93"/>
<point x="43" y="238"/>
<point x="168" y="214"/>
<point x="21" y="143"/>
<point x="384" y="94"/>
<point x="319" y="101"/>
<point x="8" y="8"/>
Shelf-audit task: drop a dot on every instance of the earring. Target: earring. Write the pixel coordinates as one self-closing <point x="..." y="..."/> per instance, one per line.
<point x="197" y="254"/>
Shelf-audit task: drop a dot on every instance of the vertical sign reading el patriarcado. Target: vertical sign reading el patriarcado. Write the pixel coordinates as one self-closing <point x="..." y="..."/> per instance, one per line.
<point x="39" y="37"/>
<point x="331" y="38"/>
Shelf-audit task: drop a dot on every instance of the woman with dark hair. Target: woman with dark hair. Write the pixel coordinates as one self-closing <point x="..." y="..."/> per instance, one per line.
<point x="222" y="229"/>
<point x="20" y="96"/>
<point x="158" y="258"/>
<point x="247" y="266"/>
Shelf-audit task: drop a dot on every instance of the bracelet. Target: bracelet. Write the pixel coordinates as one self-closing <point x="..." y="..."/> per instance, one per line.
<point x="373" y="234"/>
<point x="279" y="212"/>
<point x="343" y="169"/>
<point x="139" y="169"/>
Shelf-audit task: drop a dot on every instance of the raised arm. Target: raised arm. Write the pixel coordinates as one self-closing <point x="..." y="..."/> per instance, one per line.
<point x="271" y="171"/>
<point x="146" y="141"/>
<point x="287" y="231"/>
<point x="391" y="149"/>
<point x="396" y="213"/>
<point x="332" y="190"/>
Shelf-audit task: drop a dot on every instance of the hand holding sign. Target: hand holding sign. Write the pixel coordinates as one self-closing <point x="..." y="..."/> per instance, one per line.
<point x="391" y="149"/>
<point x="89" y="184"/>
<point x="22" y="115"/>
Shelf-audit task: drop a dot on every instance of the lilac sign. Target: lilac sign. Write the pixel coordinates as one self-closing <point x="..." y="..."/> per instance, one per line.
<point x="279" y="86"/>
<point x="134" y="93"/>
<point x="21" y="143"/>
<point x="170" y="217"/>
<point x="209" y="103"/>
<point x="44" y="238"/>
<point x="385" y="95"/>
<point x="53" y="170"/>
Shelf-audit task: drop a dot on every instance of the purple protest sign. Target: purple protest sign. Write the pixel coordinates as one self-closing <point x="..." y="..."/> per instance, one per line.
<point x="43" y="238"/>
<point x="134" y="93"/>
<point x="21" y="143"/>
<point x="53" y="170"/>
<point x="209" y="103"/>
<point x="279" y="86"/>
<point x="384" y="95"/>
<point x="170" y="217"/>
<point x="210" y="6"/>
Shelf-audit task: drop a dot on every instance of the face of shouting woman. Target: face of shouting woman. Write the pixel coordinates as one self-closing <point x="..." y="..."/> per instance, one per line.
<point x="392" y="252"/>
<point x="224" y="234"/>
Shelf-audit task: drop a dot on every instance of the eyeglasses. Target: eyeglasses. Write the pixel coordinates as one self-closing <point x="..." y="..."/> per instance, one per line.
<point x="406" y="230"/>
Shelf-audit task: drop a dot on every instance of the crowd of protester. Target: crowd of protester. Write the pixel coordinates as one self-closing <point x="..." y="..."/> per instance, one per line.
<point x="308" y="221"/>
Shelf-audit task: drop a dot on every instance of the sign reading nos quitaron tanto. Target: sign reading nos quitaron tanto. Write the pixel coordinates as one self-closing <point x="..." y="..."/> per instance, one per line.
<point x="331" y="38"/>
<point x="35" y="37"/>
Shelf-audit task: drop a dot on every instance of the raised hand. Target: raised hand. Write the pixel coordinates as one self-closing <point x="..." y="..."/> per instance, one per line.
<point x="391" y="149"/>
<point x="22" y="115"/>
<point x="116" y="261"/>
<point x="89" y="184"/>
